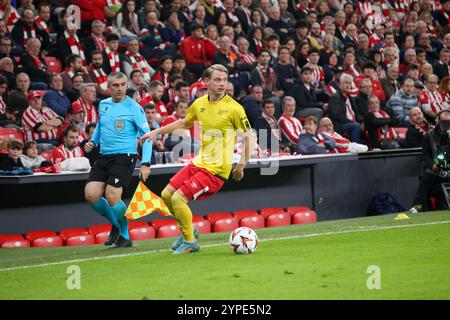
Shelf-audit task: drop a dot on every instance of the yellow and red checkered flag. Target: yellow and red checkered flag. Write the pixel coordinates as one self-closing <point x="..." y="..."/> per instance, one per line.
<point x="145" y="202"/>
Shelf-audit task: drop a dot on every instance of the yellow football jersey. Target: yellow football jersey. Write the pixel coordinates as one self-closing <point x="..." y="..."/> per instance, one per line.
<point x="219" y="123"/>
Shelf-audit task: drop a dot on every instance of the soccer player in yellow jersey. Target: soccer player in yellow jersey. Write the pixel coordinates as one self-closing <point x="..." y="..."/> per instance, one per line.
<point x="221" y="119"/>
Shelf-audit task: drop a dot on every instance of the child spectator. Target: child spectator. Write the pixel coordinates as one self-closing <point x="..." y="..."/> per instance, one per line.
<point x="31" y="158"/>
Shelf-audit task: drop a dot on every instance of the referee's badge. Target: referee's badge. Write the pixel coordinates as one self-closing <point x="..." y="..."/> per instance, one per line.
<point x="119" y="125"/>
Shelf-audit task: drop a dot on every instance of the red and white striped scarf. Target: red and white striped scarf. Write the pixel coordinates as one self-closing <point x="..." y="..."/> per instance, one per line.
<point x="349" y="113"/>
<point x="384" y="132"/>
<point x="137" y="62"/>
<point x="258" y="45"/>
<point x="273" y="124"/>
<point x="364" y="8"/>
<point x="102" y="78"/>
<point x="247" y="58"/>
<point x="75" y="46"/>
<point x="41" y="23"/>
<point x="13" y="17"/>
<point x="232" y="15"/>
<point x="268" y="77"/>
<point x="37" y="61"/>
<point x="2" y="106"/>
<point x="100" y="42"/>
<point x="25" y="34"/>
<point x="399" y="7"/>
<point x="113" y="58"/>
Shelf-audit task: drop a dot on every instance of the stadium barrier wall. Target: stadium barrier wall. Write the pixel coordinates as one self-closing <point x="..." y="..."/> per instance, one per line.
<point x="336" y="186"/>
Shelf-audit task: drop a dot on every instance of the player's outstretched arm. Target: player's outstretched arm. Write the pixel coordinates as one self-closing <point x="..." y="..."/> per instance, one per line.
<point x="179" y="124"/>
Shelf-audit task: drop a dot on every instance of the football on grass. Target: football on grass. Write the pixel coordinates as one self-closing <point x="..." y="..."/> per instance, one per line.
<point x="243" y="240"/>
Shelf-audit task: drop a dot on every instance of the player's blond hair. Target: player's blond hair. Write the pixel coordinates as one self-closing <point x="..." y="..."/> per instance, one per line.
<point x="215" y="67"/>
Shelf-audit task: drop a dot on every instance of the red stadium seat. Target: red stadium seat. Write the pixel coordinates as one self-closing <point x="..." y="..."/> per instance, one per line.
<point x="67" y="233"/>
<point x="240" y="214"/>
<point x="101" y="237"/>
<point x="304" y="217"/>
<point x="53" y="64"/>
<point x="10" y="237"/>
<point x="278" y="219"/>
<point x="81" y="240"/>
<point x="32" y="235"/>
<point x="213" y="217"/>
<point x="7" y="134"/>
<point x="197" y="217"/>
<point x="294" y="210"/>
<point x="254" y="222"/>
<point x="142" y="233"/>
<point x="137" y="224"/>
<point x="19" y="243"/>
<point x="203" y="226"/>
<point x="158" y="223"/>
<point x="265" y="212"/>
<point x="99" y="228"/>
<point x="51" y="241"/>
<point x="167" y="231"/>
<point x="223" y="225"/>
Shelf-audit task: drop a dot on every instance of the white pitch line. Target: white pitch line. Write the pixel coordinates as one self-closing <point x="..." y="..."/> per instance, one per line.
<point x="376" y="228"/>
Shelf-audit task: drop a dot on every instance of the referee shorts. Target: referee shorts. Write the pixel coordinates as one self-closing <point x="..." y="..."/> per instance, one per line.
<point x="114" y="169"/>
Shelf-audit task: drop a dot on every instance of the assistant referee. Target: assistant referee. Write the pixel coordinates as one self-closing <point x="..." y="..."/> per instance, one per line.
<point x="121" y="122"/>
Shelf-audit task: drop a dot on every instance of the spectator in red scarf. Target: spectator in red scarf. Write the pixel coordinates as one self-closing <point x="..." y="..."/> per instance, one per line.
<point x="418" y="128"/>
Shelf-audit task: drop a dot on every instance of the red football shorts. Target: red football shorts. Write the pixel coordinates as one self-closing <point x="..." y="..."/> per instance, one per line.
<point x="196" y="183"/>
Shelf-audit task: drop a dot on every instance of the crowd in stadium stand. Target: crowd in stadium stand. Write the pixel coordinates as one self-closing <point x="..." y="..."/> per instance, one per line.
<point x="323" y="76"/>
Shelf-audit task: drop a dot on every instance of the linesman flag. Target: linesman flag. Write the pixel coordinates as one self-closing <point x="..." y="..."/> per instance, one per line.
<point x="145" y="202"/>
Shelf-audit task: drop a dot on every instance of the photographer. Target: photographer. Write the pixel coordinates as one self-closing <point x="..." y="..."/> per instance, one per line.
<point x="436" y="164"/>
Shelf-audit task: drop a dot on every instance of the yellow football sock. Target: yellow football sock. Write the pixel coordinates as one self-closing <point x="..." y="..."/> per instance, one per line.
<point x="167" y="197"/>
<point x="184" y="217"/>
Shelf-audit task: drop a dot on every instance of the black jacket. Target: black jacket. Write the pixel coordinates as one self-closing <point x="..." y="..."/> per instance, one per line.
<point x="440" y="70"/>
<point x="36" y="74"/>
<point x="338" y="112"/>
<point x="305" y="98"/>
<point x="7" y="164"/>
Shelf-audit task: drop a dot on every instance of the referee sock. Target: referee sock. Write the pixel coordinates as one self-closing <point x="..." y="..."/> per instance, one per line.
<point x="167" y="197"/>
<point x="102" y="207"/>
<point x="184" y="217"/>
<point x="119" y="210"/>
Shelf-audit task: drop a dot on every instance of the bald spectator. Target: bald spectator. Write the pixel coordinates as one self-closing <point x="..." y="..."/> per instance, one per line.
<point x="26" y="28"/>
<point x="342" y="144"/>
<point x="7" y="70"/>
<point x="403" y="101"/>
<point x="156" y="45"/>
<point x="40" y="123"/>
<point x="417" y="129"/>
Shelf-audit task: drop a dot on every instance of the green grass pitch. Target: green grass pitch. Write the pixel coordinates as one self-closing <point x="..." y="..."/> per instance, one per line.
<point x="324" y="260"/>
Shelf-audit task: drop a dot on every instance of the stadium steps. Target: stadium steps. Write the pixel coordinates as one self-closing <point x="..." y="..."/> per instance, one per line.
<point x="163" y="228"/>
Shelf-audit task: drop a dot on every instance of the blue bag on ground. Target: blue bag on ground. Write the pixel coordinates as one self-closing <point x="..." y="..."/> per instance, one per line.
<point x="384" y="203"/>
